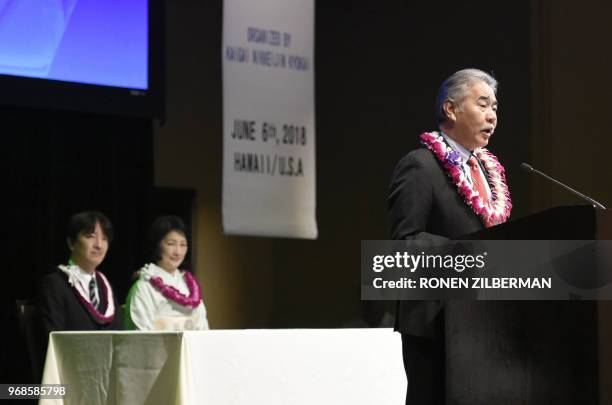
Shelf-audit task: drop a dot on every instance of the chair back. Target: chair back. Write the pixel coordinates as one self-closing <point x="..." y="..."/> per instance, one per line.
<point x="31" y="331"/>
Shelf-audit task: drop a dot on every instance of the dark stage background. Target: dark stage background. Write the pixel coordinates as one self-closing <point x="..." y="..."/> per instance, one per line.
<point x="378" y="67"/>
<point x="55" y="164"/>
<point x="377" y="71"/>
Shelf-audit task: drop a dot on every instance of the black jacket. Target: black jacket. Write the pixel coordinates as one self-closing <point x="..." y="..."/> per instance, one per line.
<point x="424" y="204"/>
<point x="60" y="308"/>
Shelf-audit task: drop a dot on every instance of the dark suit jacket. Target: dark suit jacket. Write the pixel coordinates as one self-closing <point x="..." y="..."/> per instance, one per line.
<point x="424" y="204"/>
<point x="60" y="309"/>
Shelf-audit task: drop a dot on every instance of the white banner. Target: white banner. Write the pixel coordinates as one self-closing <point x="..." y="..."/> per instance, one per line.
<point x="268" y="118"/>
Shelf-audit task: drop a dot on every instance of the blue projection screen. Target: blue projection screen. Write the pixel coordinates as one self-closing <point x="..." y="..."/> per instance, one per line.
<point x="99" y="42"/>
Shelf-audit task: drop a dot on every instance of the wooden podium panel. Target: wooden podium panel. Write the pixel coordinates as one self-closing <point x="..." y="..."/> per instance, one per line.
<point x="528" y="352"/>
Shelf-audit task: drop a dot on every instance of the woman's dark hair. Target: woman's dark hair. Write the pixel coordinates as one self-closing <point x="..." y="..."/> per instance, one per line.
<point x="161" y="227"/>
<point x="85" y="222"/>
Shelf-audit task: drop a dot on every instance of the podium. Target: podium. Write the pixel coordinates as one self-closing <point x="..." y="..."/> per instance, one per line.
<point x="529" y="352"/>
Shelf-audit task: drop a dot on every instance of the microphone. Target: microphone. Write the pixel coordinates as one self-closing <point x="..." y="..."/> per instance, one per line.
<point x="594" y="203"/>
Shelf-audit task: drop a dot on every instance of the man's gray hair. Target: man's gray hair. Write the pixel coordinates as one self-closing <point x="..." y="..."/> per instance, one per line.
<point x="456" y="87"/>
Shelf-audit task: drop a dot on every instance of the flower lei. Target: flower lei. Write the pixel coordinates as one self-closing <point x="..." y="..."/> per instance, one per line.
<point x="105" y="290"/>
<point x="171" y="293"/>
<point x="492" y="214"/>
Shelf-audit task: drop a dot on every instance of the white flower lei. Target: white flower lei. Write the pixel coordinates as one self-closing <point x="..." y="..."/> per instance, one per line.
<point x="492" y="214"/>
<point x="71" y="271"/>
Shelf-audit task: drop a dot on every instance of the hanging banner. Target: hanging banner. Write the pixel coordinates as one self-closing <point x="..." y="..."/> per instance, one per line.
<point x="268" y="118"/>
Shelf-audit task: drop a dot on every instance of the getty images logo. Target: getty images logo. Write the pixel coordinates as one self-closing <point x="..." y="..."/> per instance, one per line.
<point x="412" y="263"/>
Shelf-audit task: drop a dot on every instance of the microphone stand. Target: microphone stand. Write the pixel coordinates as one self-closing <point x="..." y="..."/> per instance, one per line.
<point x="594" y="203"/>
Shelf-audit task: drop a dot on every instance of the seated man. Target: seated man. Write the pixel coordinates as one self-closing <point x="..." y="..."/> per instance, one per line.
<point x="76" y="296"/>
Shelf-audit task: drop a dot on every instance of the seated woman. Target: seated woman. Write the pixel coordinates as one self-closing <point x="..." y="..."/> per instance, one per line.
<point x="164" y="297"/>
<point x="77" y="296"/>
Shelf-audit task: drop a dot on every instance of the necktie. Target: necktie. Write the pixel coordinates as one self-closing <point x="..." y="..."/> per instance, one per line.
<point x="478" y="183"/>
<point x="92" y="292"/>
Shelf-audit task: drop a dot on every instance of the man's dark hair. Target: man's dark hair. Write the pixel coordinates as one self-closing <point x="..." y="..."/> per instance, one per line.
<point x="85" y="222"/>
<point x="161" y="227"/>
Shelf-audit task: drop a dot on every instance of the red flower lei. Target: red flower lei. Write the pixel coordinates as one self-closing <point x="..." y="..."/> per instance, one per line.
<point x="171" y="293"/>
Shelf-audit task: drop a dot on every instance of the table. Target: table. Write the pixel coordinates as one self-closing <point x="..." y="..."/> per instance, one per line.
<point x="257" y="366"/>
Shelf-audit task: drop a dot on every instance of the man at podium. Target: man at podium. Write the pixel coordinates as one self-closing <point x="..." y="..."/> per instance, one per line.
<point x="449" y="187"/>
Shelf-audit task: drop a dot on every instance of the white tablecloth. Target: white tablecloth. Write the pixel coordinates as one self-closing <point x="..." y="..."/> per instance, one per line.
<point x="286" y="366"/>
